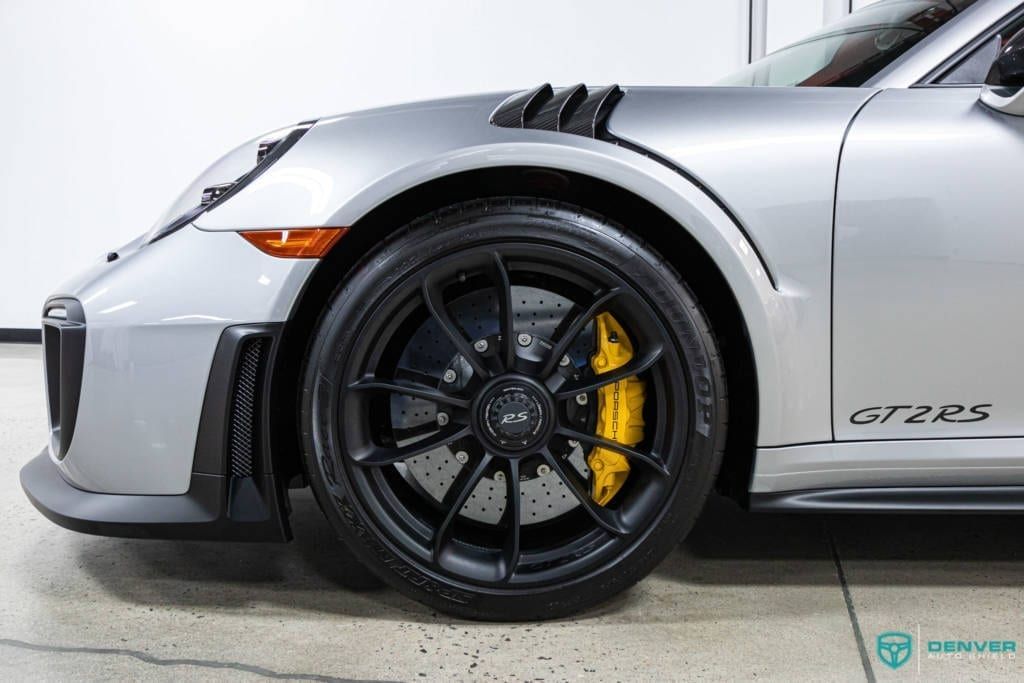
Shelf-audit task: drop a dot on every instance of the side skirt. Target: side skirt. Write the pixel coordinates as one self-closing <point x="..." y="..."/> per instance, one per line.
<point x="926" y="500"/>
<point x="930" y="463"/>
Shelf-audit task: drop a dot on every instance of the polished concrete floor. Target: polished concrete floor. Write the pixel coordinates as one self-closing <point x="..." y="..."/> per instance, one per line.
<point x="746" y="596"/>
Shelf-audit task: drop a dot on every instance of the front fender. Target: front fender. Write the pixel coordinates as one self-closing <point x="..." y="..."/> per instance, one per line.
<point x="346" y="166"/>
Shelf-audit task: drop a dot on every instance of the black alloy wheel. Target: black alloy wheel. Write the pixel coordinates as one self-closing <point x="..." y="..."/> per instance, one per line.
<point x="451" y="402"/>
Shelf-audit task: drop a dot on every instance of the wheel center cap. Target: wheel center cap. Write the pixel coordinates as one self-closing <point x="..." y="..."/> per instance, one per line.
<point x="514" y="415"/>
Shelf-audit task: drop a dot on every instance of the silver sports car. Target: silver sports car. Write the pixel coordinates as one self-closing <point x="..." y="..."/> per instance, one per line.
<point x="512" y="341"/>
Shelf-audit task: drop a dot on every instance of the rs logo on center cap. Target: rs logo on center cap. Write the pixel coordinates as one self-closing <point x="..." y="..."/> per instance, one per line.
<point x="514" y="416"/>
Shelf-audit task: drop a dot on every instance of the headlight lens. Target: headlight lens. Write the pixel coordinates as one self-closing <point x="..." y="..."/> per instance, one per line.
<point x="214" y="185"/>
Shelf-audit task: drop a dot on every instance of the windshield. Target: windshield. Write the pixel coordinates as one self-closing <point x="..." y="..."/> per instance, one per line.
<point x="851" y="51"/>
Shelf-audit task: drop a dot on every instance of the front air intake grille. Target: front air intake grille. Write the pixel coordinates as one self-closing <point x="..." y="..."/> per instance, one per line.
<point x="244" y="423"/>
<point x="63" y="365"/>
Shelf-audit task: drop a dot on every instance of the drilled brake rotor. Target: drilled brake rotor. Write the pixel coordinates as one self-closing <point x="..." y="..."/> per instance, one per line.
<point x="538" y="313"/>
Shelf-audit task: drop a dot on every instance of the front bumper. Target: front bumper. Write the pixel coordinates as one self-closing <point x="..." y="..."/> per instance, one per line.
<point x="232" y="491"/>
<point x="151" y="322"/>
<point x="158" y="373"/>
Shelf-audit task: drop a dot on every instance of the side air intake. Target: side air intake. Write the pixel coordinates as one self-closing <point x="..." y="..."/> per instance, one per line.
<point x="63" y="364"/>
<point x="574" y="110"/>
<point x="244" y="425"/>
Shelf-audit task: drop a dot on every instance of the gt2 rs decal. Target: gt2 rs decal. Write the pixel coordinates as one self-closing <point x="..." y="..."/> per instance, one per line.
<point x="910" y="414"/>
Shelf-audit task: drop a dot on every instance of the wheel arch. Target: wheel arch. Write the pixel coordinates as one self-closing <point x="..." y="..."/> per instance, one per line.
<point x="638" y="214"/>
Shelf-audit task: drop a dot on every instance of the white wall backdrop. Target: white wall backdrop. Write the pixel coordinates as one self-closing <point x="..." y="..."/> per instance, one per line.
<point x="111" y="107"/>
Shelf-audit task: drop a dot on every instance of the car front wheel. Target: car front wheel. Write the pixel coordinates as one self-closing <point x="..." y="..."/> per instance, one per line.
<point x="513" y="409"/>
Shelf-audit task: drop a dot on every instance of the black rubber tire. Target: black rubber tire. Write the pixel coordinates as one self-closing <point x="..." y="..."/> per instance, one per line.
<point x="551" y="222"/>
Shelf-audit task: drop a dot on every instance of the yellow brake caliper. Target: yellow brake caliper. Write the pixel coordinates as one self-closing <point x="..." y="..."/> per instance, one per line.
<point x="619" y="410"/>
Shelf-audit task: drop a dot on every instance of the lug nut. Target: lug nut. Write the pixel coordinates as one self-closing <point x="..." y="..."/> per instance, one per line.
<point x="543" y="470"/>
<point x="449" y="376"/>
<point x="564" y="361"/>
<point x="581" y="399"/>
<point x="524" y="339"/>
<point x="442" y="419"/>
<point x="462" y="457"/>
<point x="499" y="476"/>
<point x="480" y="346"/>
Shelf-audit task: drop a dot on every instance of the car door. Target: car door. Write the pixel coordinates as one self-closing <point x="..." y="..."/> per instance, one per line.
<point x="928" y="326"/>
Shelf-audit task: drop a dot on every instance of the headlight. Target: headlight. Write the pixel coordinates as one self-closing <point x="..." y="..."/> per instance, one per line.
<point x="214" y="185"/>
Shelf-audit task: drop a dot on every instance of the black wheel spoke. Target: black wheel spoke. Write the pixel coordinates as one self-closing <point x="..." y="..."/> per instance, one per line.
<point x="651" y="460"/>
<point x="586" y="385"/>
<point x="377" y="456"/>
<point x="434" y="300"/>
<point x="511" y="520"/>
<point x="407" y="388"/>
<point x="607" y="519"/>
<point x="416" y="431"/>
<point x="575" y="327"/>
<point x="455" y="498"/>
<point x="415" y="377"/>
<point x="506" y="325"/>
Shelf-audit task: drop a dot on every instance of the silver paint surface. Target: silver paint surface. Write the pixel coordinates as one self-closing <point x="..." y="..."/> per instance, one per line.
<point x="769" y="154"/>
<point x="153" y="319"/>
<point x="929" y="264"/>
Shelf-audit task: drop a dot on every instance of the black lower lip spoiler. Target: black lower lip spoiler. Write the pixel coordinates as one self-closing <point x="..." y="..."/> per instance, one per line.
<point x="199" y="514"/>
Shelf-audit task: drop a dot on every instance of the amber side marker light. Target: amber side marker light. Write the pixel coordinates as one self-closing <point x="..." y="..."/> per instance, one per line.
<point x="296" y="242"/>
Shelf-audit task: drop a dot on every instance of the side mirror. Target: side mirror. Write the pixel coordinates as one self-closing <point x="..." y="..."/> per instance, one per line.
<point x="1004" y="87"/>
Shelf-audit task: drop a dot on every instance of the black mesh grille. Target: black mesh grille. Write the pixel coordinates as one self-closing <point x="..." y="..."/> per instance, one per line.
<point x="243" y="436"/>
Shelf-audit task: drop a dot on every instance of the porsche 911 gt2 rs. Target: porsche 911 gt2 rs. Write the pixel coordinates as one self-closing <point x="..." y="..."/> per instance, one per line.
<point x="512" y="341"/>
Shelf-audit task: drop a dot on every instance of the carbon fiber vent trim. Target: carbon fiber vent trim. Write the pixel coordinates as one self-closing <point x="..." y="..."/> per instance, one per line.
<point x="574" y="110"/>
<point x="244" y="428"/>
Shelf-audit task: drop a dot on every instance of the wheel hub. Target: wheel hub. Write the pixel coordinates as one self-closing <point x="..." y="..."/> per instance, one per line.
<point x="514" y="415"/>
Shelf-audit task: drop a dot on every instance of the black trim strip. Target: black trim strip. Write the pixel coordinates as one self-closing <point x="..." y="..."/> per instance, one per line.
<point x="711" y="194"/>
<point x="832" y="268"/>
<point x="275" y="153"/>
<point x="21" y="335"/>
<point x="259" y="497"/>
<point x="932" y="78"/>
<point x="925" y="499"/>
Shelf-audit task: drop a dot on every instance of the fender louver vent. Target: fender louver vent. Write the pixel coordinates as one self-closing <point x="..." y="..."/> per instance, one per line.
<point x="574" y="110"/>
<point x="244" y="427"/>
